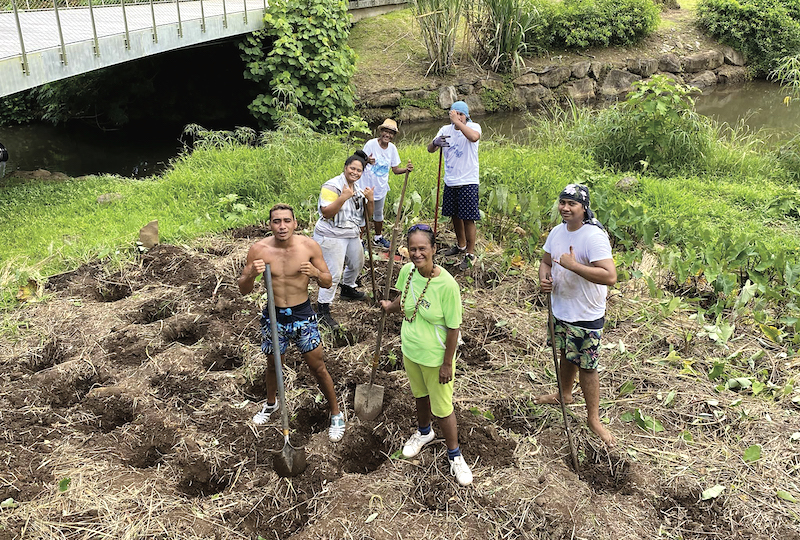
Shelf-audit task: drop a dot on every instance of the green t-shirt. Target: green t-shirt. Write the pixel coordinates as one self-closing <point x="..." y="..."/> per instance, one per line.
<point x="423" y="340"/>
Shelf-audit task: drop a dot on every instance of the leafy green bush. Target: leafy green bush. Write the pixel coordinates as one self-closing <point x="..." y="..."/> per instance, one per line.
<point x="763" y="30"/>
<point x="655" y="128"/>
<point x="302" y="58"/>
<point x="17" y="109"/>
<point x="602" y="23"/>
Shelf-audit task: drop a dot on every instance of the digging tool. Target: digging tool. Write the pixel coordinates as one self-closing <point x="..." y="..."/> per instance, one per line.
<point x="551" y="327"/>
<point x="369" y="253"/>
<point x="289" y="461"/>
<point x="369" y="397"/>
<point x="438" y="188"/>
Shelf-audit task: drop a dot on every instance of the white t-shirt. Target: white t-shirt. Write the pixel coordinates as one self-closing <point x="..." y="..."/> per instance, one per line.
<point x="461" y="157"/>
<point x="377" y="176"/>
<point x="575" y="298"/>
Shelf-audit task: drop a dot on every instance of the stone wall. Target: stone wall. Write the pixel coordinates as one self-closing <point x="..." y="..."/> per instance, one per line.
<point x="585" y="82"/>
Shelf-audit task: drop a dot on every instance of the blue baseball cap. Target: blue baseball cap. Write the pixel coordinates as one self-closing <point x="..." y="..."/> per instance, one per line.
<point x="461" y="107"/>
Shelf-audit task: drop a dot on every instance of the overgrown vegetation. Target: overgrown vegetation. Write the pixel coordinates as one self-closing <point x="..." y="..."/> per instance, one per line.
<point x="656" y="128"/>
<point x="499" y="28"/>
<point x="763" y="30"/>
<point x="303" y="62"/>
<point x="438" y="21"/>
<point x="504" y="31"/>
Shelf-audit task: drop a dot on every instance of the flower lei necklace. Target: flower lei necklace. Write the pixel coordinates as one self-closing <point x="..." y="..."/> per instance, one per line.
<point x="419" y="299"/>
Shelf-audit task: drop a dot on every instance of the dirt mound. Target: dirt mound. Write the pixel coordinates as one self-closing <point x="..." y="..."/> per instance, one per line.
<point x="133" y="390"/>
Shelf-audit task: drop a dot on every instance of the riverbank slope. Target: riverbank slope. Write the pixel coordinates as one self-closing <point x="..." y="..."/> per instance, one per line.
<point x="392" y="69"/>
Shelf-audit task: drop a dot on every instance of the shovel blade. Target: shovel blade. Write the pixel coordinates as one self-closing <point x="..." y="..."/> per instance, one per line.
<point x="290" y="461"/>
<point x="369" y="401"/>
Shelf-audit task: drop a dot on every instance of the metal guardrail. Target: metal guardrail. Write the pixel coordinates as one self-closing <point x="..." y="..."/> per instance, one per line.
<point x="46" y="40"/>
<point x="83" y="20"/>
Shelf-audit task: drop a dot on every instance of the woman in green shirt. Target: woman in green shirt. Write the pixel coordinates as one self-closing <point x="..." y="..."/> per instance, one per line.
<point x="430" y="301"/>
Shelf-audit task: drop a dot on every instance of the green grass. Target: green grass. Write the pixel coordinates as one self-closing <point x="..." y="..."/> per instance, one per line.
<point x="49" y="227"/>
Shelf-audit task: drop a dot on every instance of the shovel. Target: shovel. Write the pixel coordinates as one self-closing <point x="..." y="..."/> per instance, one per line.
<point x="369" y="397"/>
<point x="289" y="461"/>
<point x="551" y="328"/>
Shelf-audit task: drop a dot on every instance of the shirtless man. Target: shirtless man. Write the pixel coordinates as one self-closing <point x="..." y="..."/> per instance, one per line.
<point x="293" y="260"/>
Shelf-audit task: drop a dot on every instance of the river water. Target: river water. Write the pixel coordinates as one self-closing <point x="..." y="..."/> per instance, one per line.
<point x="78" y="149"/>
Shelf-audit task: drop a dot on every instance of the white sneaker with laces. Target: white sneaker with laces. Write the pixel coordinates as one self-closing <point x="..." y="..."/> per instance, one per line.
<point x="413" y="445"/>
<point x="336" y="431"/>
<point x="262" y="417"/>
<point x="460" y="469"/>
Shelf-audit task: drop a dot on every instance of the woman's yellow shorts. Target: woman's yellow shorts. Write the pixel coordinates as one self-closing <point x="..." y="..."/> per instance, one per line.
<point x="424" y="382"/>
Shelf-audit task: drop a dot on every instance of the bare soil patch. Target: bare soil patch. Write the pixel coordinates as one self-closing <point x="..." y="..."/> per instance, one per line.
<point x="144" y="403"/>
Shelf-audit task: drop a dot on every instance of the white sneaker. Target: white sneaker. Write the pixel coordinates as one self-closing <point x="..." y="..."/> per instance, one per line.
<point x="416" y="442"/>
<point x="336" y="431"/>
<point x="262" y="417"/>
<point x="460" y="469"/>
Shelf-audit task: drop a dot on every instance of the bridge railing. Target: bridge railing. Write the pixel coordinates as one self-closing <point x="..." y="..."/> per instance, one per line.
<point x="75" y="21"/>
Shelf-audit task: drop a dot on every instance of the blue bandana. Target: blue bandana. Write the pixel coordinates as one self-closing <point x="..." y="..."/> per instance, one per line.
<point x="461" y="107"/>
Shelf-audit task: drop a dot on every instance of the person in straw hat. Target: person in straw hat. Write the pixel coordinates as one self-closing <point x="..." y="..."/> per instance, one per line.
<point x="383" y="156"/>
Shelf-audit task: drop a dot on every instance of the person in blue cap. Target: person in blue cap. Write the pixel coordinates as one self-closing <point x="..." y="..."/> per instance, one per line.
<point x="459" y="143"/>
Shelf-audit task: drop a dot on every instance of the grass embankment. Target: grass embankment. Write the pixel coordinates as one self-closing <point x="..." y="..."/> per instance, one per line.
<point x="48" y="227"/>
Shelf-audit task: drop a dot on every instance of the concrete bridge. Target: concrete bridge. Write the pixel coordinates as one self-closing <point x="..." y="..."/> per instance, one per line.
<point x="43" y="41"/>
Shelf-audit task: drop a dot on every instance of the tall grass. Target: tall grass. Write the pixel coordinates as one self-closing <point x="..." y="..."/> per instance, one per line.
<point x="439" y="20"/>
<point x="500" y="28"/>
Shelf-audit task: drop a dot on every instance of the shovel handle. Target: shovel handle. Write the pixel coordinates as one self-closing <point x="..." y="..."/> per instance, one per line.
<point x="438" y="188"/>
<point x="388" y="284"/>
<point x="552" y="331"/>
<point x="273" y="326"/>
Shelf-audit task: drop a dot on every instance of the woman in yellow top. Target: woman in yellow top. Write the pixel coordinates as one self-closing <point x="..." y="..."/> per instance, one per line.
<point x="430" y="301"/>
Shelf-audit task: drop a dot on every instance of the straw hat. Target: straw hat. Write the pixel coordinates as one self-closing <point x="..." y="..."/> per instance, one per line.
<point x="388" y="124"/>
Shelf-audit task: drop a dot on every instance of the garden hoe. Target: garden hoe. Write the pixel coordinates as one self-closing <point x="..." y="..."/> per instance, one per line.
<point x="369" y="397"/>
<point x="289" y="461"/>
<point x="551" y="327"/>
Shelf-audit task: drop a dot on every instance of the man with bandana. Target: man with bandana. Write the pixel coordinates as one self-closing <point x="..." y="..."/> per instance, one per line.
<point x="576" y="269"/>
<point x="459" y="143"/>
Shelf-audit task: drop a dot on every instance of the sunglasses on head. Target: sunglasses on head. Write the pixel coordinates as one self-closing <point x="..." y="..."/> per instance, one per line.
<point x="420" y="227"/>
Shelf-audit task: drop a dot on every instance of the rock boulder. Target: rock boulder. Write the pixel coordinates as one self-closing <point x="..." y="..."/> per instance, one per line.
<point x="642" y="66"/>
<point x="618" y="83"/>
<point x="703" y="61"/>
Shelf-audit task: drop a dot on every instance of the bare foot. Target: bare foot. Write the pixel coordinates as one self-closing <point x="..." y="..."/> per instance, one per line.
<point x="603" y="433"/>
<point x="552" y="399"/>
